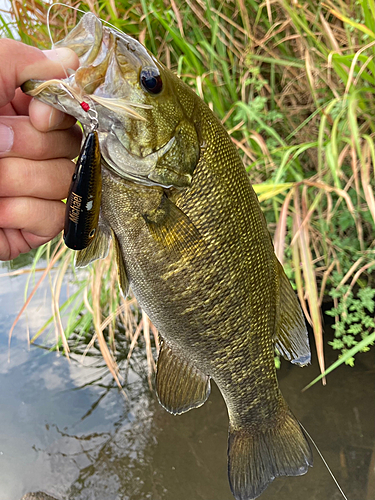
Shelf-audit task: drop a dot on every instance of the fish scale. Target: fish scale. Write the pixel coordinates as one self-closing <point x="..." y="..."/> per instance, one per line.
<point x="191" y="241"/>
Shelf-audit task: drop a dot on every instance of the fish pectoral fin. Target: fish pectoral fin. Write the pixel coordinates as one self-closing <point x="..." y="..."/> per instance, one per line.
<point x="173" y="229"/>
<point x="98" y="249"/>
<point x="257" y="456"/>
<point x="121" y="270"/>
<point x="180" y="386"/>
<point x="291" y="339"/>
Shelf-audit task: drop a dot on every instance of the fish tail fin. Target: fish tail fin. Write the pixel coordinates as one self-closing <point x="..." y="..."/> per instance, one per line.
<point x="255" y="458"/>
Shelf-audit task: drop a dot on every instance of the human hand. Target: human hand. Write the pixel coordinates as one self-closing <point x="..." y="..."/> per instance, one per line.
<point x="37" y="144"/>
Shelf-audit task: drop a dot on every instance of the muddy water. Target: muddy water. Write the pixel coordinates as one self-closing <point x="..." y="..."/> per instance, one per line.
<point x="66" y="429"/>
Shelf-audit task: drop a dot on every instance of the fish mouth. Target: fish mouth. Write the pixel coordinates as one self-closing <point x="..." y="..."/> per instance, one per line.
<point x="97" y="81"/>
<point x="103" y="94"/>
<point x="66" y="96"/>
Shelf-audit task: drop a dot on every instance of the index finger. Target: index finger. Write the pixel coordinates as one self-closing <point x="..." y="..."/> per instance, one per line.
<point x="18" y="106"/>
<point x="20" y="62"/>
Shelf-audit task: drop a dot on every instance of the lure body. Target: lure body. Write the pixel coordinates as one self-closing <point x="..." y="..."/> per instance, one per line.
<point x="83" y="204"/>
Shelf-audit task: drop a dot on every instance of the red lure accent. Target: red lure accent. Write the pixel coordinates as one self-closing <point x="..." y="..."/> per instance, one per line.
<point x="84" y="106"/>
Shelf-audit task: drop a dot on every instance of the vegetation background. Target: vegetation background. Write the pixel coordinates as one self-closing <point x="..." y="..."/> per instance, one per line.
<point x="293" y="83"/>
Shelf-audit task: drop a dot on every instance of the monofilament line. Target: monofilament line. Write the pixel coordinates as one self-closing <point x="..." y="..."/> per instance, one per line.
<point x="78" y="10"/>
<point x="109" y="103"/>
<point x="49" y="27"/>
<point x="325" y="462"/>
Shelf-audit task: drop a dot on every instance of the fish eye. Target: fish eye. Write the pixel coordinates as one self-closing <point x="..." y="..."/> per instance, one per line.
<point x="151" y="81"/>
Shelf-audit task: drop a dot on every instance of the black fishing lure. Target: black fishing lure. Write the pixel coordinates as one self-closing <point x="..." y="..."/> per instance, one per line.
<point x="83" y="203"/>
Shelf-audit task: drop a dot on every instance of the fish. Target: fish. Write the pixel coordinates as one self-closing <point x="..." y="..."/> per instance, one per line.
<point x="192" y="243"/>
<point x="38" y="495"/>
<point x="84" y="198"/>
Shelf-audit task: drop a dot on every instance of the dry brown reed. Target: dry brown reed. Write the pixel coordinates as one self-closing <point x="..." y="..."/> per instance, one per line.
<point x="310" y="65"/>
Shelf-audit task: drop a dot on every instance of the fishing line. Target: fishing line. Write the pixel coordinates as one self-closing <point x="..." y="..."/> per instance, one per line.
<point x="68" y="89"/>
<point x="117" y="105"/>
<point x="84" y="105"/>
<point x="50" y="34"/>
<point x="125" y="107"/>
<point x="78" y="10"/>
<point x="55" y="81"/>
<point x="112" y="104"/>
<point x="325" y="462"/>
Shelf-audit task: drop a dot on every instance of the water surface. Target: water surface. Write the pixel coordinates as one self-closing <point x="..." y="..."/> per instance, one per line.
<point x="67" y="430"/>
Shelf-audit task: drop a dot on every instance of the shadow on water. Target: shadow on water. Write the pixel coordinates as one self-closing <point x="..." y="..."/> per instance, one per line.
<point x="67" y="430"/>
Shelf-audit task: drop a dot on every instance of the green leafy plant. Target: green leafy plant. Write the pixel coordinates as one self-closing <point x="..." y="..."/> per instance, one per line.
<point x="294" y="84"/>
<point x="354" y="317"/>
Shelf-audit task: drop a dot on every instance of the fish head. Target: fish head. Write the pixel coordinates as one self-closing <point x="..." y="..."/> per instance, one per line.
<point x="143" y="113"/>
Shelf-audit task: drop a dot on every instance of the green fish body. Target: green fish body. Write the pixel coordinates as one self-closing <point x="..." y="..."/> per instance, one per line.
<point x="192" y="243"/>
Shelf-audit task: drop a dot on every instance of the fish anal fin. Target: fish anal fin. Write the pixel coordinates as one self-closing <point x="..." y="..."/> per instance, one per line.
<point x="98" y="249"/>
<point x="291" y="338"/>
<point x="179" y="385"/>
<point x="121" y="270"/>
<point x="257" y="457"/>
<point x="172" y="228"/>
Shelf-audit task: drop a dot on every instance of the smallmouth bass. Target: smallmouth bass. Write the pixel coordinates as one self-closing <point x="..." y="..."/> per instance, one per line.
<point x="191" y="241"/>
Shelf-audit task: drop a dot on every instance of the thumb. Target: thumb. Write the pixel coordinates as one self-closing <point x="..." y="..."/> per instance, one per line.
<point x="20" y="62"/>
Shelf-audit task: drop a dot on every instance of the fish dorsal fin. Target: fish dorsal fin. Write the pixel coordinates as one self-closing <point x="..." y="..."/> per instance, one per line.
<point x="180" y="386"/>
<point x="172" y="228"/>
<point x="98" y="249"/>
<point x="121" y="270"/>
<point x="291" y="339"/>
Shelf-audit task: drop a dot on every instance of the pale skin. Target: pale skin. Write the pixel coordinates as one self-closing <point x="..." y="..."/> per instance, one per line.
<point x="37" y="144"/>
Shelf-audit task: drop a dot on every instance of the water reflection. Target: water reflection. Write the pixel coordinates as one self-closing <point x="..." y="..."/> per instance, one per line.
<point x="67" y="430"/>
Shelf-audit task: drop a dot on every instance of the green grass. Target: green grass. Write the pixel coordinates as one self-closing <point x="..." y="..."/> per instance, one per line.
<point x="293" y="83"/>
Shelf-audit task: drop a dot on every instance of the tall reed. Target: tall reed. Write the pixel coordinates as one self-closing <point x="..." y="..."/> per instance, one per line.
<point x="294" y="85"/>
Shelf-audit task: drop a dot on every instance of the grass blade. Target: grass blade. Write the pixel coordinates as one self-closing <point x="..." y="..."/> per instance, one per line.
<point x="348" y="354"/>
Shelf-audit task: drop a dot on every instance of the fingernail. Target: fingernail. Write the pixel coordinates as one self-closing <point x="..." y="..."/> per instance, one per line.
<point x="55" y="118"/>
<point x="6" y="138"/>
<point x="62" y="54"/>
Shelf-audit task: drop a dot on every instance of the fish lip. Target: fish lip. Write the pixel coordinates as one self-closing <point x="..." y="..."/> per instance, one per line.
<point x="51" y="95"/>
<point x="30" y="85"/>
<point x="69" y="95"/>
<point x="59" y="98"/>
<point x="87" y="34"/>
<point x="102" y="40"/>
